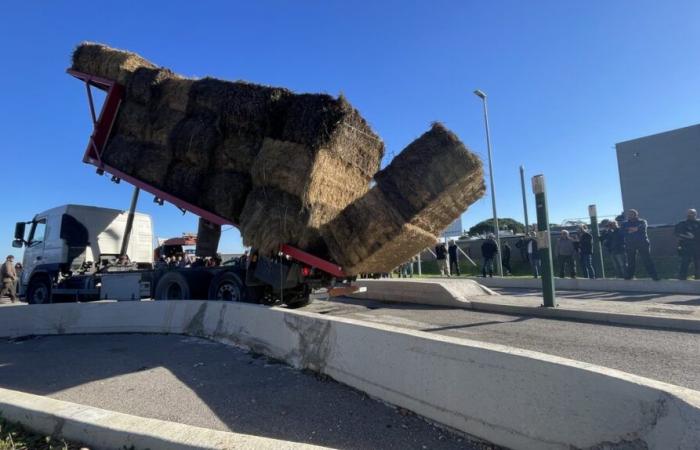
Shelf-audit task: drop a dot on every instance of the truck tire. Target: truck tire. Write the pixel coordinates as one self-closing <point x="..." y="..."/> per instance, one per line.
<point x="39" y="290"/>
<point x="172" y="286"/>
<point x="226" y="286"/>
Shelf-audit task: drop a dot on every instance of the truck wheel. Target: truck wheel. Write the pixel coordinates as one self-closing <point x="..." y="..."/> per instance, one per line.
<point x="172" y="286"/>
<point x="226" y="286"/>
<point x="39" y="291"/>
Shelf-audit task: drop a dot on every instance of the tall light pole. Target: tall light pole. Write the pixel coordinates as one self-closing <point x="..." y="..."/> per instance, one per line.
<point x="482" y="96"/>
<point x="522" y="189"/>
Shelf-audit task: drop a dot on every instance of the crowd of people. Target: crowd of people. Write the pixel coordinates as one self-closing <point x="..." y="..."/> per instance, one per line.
<point x="188" y="260"/>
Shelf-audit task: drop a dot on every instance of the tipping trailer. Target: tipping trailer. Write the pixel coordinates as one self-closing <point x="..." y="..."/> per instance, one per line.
<point x="62" y="266"/>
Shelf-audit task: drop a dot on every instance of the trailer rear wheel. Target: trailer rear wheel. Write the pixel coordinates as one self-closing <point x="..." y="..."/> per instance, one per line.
<point x="227" y="287"/>
<point x="39" y="291"/>
<point x="172" y="286"/>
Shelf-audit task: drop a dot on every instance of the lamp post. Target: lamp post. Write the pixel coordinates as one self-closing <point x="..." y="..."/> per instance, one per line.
<point x="499" y="265"/>
<point x="544" y="243"/>
<point x="522" y="189"/>
<point x="597" y="248"/>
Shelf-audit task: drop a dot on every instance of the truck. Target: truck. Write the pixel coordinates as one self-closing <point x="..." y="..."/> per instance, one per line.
<point x="84" y="253"/>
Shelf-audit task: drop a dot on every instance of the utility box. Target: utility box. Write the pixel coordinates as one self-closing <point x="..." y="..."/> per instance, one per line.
<point x="126" y="286"/>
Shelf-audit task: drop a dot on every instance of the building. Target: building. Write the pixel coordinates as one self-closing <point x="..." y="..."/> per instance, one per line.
<point x="660" y="174"/>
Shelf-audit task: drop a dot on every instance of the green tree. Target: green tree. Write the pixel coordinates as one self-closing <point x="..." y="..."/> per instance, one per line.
<point x="486" y="226"/>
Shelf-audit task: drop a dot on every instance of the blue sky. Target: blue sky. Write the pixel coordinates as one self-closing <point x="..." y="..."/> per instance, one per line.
<point x="566" y="81"/>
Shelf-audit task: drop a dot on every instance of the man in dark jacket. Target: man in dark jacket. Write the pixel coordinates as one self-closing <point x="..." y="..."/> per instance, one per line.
<point x="441" y="257"/>
<point x="505" y="260"/>
<point x="533" y="254"/>
<point x="9" y="277"/>
<point x="637" y="242"/>
<point x="688" y="233"/>
<point x="585" y="242"/>
<point x="453" y="252"/>
<point x="613" y="240"/>
<point x="489" y="249"/>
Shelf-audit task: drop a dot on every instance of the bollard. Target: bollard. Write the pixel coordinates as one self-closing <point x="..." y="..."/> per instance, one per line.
<point x="544" y="242"/>
<point x="597" y="248"/>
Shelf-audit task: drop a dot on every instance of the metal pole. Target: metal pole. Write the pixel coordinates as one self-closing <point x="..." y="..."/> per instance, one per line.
<point x="522" y="188"/>
<point x="420" y="267"/>
<point x="544" y="242"/>
<point x="598" y="265"/>
<point x="499" y="263"/>
<point x="129" y="221"/>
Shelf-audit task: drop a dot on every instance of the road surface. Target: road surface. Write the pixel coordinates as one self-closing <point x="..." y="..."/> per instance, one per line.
<point x="206" y="384"/>
<point x="668" y="356"/>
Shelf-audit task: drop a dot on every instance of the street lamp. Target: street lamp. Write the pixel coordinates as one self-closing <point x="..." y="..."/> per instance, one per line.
<point x="479" y="93"/>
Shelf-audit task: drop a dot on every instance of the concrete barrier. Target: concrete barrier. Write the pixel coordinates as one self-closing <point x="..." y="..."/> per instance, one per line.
<point x="516" y="398"/>
<point x="104" y="429"/>
<point x="440" y="292"/>
<point x="584" y="284"/>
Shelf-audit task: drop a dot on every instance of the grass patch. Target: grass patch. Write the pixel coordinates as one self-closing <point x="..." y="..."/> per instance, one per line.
<point x="16" y="437"/>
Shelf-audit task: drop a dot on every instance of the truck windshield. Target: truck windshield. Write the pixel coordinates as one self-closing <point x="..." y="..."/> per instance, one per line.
<point x="36" y="236"/>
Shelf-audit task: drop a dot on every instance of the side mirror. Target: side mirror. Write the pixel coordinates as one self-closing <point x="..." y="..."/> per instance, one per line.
<point x="17" y="243"/>
<point x="19" y="232"/>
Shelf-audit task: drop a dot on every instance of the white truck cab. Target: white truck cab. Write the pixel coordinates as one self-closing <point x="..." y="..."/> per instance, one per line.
<point x="76" y="239"/>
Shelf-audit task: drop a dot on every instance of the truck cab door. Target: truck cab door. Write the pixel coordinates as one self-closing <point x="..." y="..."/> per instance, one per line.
<point x="34" y="252"/>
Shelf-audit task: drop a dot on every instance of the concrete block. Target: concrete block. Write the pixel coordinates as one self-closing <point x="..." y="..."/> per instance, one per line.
<point x="516" y="398"/>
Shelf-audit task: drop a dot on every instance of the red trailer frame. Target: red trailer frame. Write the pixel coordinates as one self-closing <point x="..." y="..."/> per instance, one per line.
<point x="103" y="128"/>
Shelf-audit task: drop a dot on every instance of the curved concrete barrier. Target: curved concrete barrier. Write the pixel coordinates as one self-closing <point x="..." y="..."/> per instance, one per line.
<point x="104" y="429"/>
<point x="517" y="398"/>
<point x="440" y="292"/>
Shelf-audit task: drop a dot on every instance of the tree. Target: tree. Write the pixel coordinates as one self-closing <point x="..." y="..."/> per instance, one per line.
<point x="486" y="226"/>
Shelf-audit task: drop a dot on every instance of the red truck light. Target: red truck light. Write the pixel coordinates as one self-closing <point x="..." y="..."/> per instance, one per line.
<point x="306" y="271"/>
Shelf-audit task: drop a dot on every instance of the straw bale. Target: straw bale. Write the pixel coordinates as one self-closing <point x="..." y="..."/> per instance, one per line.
<point x="185" y="181"/>
<point x="122" y="153"/>
<point x="224" y="193"/>
<point x="153" y="163"/>
<point x="174" y="92"/>
<point x="321" y="121"/>
<point x="143" y="84"/>
<point x="238" y="105"/>
<point x="237" y="152"/>
<point x="194" y="139"/>
<point x="106" y="62"/>
<point x="282" y="165"/>
<point x="270" y="218"/>
<point x="133" y="120"/>
<point x="433" y="180"/>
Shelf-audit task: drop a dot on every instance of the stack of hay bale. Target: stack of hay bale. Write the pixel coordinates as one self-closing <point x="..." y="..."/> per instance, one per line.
<point x="283" y="167"/>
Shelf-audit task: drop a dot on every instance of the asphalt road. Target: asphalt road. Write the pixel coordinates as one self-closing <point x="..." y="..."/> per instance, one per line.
<point x="668" y="356"/>
<point x="202" y="383"/>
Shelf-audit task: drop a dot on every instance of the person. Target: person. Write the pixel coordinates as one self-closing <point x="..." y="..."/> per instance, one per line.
<point x="585" y="243"/>
<point x="453" y="253"/>
<point x="533" y="254"/>
<point x="566" y="252"/>
<point x="613" y="240"/>
<point x="637" y="242"/>
<point x="489" y="249"/>
<point x="521" y="245"/>
<point x="18" y="272"/>
<point x="688" y="234"/>
<point x="9" y="276"/>
<point x="441" y="257"/>
<point x="505" y="258"/>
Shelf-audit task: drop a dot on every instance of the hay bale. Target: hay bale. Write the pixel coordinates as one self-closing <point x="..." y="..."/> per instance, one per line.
<point x="106" y="62"/>
<point x="193" y="139"/>
<point x="224" y="193"/>
<point x="433" y="180"/>
<point x="174" y="92"/>
<point x="132" y="120"/>
<point x="239" y="106"/>
<point x="270" y="218"/>
<point x="282" y="165"/>
<point x="144" y="82"/>
<point x="237" y="152"/>
<point x="321" y="121"/>
<point x="153" y="164"/>
<point x="122" y="153"/>
<point x="184" y="181"/>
